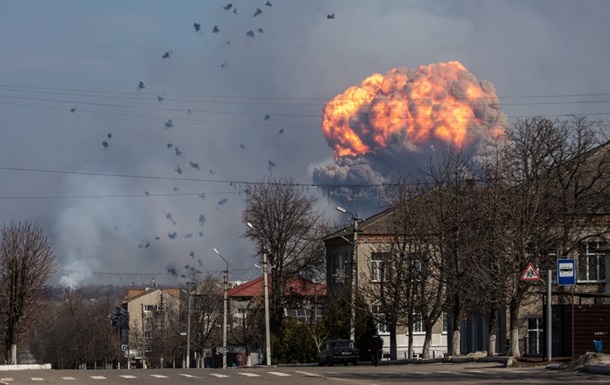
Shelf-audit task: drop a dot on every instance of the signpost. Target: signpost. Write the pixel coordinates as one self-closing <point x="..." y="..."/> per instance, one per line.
<point x="565" y="272"/>
<point x="530" y="273"/>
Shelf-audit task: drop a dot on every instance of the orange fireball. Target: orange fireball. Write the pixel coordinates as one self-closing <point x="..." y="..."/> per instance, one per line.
<point x="434" y="104"/>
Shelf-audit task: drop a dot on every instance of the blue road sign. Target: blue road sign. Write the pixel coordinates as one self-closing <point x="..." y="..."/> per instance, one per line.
<point x="566" y="273"/>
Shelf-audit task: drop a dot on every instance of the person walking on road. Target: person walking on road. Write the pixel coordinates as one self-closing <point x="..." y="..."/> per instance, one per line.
<point x="376" y="344"/>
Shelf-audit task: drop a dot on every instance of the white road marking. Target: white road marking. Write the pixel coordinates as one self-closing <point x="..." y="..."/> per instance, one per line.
<point x="158" y="376"/>
<point x="308" y="374"/>
<point x="250" y="374"/>
<point x="218" y="375"/>
<point x="37" y="379"/>
<point x="279" y="374"/>
<point x="127" y="376"/>
<point x="188" y="375"/>
<point x="9" y="379"/>
<point x="68" y="378"/>
<point x="98" y="377"/>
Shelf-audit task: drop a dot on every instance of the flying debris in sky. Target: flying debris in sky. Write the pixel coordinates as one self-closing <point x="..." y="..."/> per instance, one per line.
<point x="224" y="65"/>
<point x="268" y="4"/>
<point x="235" y="11"/>
<point x="202" y="220"/>
<point x="202" y="195"/>
<point x="146" y="193"/>
<point x="169" y="216"/>
<point x="169" y="124"/>
<point x="212" y="171"/>
<point x="187" y="236"/>
<point x="201" y="234"/>
<point x="242" y="146"/>
<point x="228" y="6"/>
<point x="267" y="117"/>
<point x="177" y="151"/>
<point x="194" y="165"/>
<point x="157" y="238"/>
<point x="178" y="170"/>
<point x="257" y="12"/>
<point x="188" y="112"/>
<point x="197" y="27"/>
<point x="260" y="30"/>
<point x="172" y="235"/>
<point x="141" y="85"/>
<point x="192" y="254"/>
<point x="330" y="16"/>
<point x="222" y="201"/>
<point x="215" y="30"/>
<point x="147" y="245"/>
<point x="109" y="135"/>
<point x="166" y="55"/>
<point x="105" y="144"/>
<point x="271" y="165"/>
<point x="281" y="131"/>
<point x="250" y="34"/>
<point x="160" y="99"/>
<point x="169" y="145"/>
<point x="175" y="189"/>
<point x="72" y="109"/>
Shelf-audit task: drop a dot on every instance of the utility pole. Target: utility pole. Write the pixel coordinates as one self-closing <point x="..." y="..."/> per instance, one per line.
<point x="354" y="274"/>
<point x="224" y="321"/>
<point x="267" y="331"/>
<point x="188" y="327"/>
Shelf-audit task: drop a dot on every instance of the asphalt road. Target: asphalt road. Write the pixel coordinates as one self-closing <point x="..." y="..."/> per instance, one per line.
<point x="472" y="373"/>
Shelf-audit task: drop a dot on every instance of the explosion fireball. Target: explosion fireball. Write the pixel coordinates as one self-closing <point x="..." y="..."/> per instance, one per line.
<point x="389" y="122"/>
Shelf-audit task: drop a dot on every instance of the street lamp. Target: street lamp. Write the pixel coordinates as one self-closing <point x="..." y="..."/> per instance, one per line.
<point x="188" y="327"/>
<point x="354" y="271"/>
<point x="266" y="286"/>
<point x="224" y="321"/>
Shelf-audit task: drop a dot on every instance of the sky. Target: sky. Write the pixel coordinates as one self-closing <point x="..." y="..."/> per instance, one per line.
<point x="129" y="136"/>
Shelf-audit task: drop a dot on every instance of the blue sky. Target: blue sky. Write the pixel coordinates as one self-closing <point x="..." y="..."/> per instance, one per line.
<point x="544" y="58"/>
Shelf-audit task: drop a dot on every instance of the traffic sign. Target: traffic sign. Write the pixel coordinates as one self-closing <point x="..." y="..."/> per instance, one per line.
<point x="530" y="273"/>
<point x="565" y="272"/>
<point x="124" y="348"/>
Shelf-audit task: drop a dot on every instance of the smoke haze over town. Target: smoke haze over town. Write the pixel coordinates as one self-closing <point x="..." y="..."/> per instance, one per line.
<point x="131" y="129"/>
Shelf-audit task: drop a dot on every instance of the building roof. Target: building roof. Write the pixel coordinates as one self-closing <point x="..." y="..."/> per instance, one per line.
<point x="295" y="286"/>
<point x="140" y="292"/>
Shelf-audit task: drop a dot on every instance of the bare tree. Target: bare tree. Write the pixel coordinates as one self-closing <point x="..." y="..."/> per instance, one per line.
<point x="556" y="178"/>
<point x="287" y="226"/>
<point x="27" y="266"/>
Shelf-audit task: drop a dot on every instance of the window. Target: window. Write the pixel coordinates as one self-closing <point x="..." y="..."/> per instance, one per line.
<point x="591" y="264"/>
<point x="339" y="274"/>
<point x="377" y="266"/>
<point x="148" y="321"/>
<point x="418" y="325"/>
<point x="379" y="317"/>
<point x="148" y="335"/>
<point x="444" y="323"/>
<point x="534" y="336"/>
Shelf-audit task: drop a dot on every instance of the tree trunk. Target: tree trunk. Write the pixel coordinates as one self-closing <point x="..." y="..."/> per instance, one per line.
<point x="493" y="317"/>
<point x="427" y="342"/>
<point x="393" y="347"/>
<point x="456" y="340"/>
<point x="13" y="360"/>
<point x="514" y="331"/>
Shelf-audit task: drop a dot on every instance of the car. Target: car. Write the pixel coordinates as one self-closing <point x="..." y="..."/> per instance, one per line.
<point x="338" y="351"/>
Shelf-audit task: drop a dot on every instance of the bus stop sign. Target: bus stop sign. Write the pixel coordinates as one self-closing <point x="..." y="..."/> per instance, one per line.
<point x="565" y="272"/>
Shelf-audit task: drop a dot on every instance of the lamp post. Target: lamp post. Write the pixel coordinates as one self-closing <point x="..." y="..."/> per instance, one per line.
<point x="224" y="320"/>
<point x="354" y="272"/>
<point x="266" y="289"/>
<point x="188" y="327"/>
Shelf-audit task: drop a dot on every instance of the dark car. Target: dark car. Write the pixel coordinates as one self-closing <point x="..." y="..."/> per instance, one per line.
<point x="338" y="351"/>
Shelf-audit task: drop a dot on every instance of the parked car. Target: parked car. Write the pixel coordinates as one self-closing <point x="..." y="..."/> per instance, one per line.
<point x="338" y="351"/>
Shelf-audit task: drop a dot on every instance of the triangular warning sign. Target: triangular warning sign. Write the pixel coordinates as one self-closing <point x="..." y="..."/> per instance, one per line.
<point x="530" y="273"/>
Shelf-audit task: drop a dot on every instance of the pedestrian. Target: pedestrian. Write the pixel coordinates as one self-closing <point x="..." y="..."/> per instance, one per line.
<point x="238" y="359"/>
<point x="376" y="344"/>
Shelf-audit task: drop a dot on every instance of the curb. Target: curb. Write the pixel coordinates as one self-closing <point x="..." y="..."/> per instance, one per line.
<point x="596" y="369"/>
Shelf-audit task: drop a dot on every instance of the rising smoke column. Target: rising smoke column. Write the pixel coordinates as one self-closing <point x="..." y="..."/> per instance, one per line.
<point x="398" y="121"/>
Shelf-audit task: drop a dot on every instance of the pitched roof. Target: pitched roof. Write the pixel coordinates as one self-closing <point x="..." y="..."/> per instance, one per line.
<point x="294" y="286"/>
